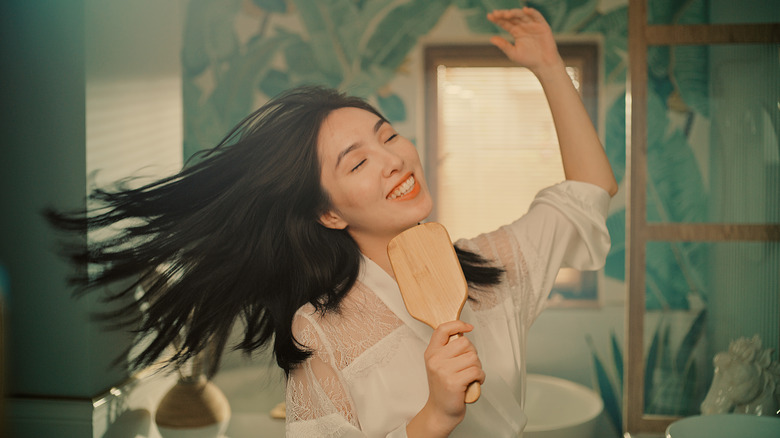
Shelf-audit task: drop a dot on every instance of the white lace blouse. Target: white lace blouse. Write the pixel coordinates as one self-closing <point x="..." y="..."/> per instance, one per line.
<point x="367" y="375"/>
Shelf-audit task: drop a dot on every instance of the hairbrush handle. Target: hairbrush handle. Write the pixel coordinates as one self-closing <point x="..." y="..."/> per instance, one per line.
<point x="474" y="389"/>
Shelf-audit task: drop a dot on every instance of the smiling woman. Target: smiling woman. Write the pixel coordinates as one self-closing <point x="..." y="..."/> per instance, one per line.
<point x="285" y="224"/>
<point x="374" y="180"/>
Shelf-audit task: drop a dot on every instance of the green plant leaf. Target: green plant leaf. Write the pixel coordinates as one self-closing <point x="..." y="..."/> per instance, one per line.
<point x="208" y="35"/>
<point x="611" y="404"/>
<point x="614" y="27"/>
<point x="690" y="69"/>
<point x="689" y="341"/>
<point x="658" y="62"/>
<point x="392" y="107"/>
<point x="615" y="266"/>
<point x="664" y="11"/>
<point x="274" y="82"/>
<point x="675" y="193"/>
<point x="690" y="397"/>
<point x="691" y="75"/>
<point x="279" y="6"/>
<point x="617" y="358"/>
<point x="202" y="127"/>
<point x="302" y="66"/>
<point x="615" y="137"/>
<point x="651" y="364"/>
<point x="332" y="33"/>
<point x="665" y="282"/>
<point x="666" y="349"/>
<point x="398" y="32"/>
<point x="577" y="13"/>
<point x="475" y="12"/>
<point x="365" y="83"/>
<point x="554" y="12"/>
<point x="232" y="97"/>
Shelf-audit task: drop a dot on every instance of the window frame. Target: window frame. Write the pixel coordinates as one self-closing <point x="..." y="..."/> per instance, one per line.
<point x="584" y="54"/>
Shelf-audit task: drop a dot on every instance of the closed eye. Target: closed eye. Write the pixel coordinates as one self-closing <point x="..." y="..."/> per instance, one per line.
<point x="391" y="137"/>
<point x="358" y="165"/>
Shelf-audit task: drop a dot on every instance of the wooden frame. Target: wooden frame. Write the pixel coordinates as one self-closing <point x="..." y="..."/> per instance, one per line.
<point x="487" y="55"/>
<point x="638" y="231"/>
<point x="583" y="54"/>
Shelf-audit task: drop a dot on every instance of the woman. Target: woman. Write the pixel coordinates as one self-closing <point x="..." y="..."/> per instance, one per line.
<point x="371" y="361"/>
<point x="285" y="225"/>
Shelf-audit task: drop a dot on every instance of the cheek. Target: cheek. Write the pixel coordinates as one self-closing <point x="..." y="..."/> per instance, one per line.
<point x="350" y="193"/>
<point x="359" y="191"/>
<point x="410" y="151"/>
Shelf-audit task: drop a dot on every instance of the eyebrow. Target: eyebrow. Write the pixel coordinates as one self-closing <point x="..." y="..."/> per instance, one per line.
<point x="354" y="146"/>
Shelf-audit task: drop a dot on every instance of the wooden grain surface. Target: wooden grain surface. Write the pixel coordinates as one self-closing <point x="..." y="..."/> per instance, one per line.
<point x="429" y="276"/>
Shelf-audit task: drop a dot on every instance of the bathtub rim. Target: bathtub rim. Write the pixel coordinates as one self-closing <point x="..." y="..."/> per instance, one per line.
<point x="568" y="384"/>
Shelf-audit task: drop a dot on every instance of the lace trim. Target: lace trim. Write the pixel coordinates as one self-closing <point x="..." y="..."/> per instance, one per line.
<point x="329" y="426"/>
<point x="307" y="400"/>
<point x="363" y="321"/>
<point x="378" y="355"/>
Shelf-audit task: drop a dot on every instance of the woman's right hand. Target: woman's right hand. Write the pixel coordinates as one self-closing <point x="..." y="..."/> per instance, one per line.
<point x="451" y="367"/>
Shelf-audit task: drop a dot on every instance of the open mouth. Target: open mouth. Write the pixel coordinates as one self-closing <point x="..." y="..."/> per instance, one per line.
<point x="403" y="189"/>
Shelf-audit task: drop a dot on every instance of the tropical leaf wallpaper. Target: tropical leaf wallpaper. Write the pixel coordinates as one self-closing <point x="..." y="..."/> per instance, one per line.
<point x="238" y="53"/>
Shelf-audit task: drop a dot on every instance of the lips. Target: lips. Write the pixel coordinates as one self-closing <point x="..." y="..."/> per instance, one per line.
<point x="405" y="190"/>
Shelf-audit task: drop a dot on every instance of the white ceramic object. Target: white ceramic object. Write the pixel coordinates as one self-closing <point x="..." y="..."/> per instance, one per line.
<point x="558" y="408"/>
<point x="725" y="426"/>
<point x="746" y="381"/>
<point x="216" y="430"/>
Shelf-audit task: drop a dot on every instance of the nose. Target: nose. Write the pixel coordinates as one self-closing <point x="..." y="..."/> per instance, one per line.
<point x="392" y="162"/>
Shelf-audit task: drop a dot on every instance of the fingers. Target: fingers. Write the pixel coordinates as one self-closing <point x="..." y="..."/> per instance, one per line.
<point x="511" y="19"/>
<point x="456" y="353"/>
<point x="504" y="45"/>
<point x="515" y="16"/>
<point x="442" y="333"/>
<point x="451" y="365"/>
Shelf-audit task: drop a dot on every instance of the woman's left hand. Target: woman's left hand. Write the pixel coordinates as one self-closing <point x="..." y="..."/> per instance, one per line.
<point x="534" y="46"/>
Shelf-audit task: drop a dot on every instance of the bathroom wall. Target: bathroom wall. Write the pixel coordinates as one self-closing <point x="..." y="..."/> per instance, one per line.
<point x="86" y="85"/>
<point x="237" y="56"/>
<point x="374" y="49"/>
<point x="83" y="77"/>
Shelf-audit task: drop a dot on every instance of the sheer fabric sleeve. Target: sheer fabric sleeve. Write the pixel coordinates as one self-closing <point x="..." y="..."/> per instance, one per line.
<point x="318" y="403"/>
<point x="564" y="227"/>
<point x="318" y="399"/>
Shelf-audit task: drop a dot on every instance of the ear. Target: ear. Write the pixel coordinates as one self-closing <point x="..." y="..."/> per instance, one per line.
<point x="331" y="219"/>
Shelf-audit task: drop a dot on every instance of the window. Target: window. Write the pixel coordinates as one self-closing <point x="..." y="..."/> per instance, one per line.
<point x="491" y="139"/>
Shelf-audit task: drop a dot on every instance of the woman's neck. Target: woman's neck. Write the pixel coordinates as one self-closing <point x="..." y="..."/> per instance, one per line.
<point x="375" y="248"/>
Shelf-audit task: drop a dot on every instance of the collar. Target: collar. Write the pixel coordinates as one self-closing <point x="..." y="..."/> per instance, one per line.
<point x="386" y="288"/>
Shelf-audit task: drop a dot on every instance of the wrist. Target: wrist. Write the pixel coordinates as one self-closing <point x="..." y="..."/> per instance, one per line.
<point x="430" y="422"/>
<point x="550" y="68"/>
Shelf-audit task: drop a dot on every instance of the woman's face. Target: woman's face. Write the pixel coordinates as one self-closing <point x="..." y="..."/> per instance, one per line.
<point x="372" y="175"/>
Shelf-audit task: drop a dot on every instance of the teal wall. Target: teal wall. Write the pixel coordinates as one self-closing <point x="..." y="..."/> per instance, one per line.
<point x="43" y="119"/>
<point x="65" y="72"/>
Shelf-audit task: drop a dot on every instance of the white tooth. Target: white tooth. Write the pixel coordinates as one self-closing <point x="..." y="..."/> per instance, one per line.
<point x="403" y="188"/>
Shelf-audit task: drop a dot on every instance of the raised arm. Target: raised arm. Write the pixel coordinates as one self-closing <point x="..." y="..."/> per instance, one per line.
<point x="534" y="47"/>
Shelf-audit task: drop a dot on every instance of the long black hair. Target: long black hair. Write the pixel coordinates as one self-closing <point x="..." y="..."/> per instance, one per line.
<point x="233" y="236"/>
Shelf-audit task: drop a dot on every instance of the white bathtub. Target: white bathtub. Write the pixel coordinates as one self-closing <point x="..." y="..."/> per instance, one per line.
<point x="558" y="408"/>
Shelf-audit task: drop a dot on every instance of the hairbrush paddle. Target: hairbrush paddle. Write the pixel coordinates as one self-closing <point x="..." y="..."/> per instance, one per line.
<point x="431" y="281"/>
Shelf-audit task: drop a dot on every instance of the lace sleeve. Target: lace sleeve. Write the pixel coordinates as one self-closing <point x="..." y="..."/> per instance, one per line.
<point x="318" y="403"/>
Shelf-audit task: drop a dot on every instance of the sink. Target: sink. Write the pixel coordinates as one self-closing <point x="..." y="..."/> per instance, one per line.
<point x="725" y="426"/>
